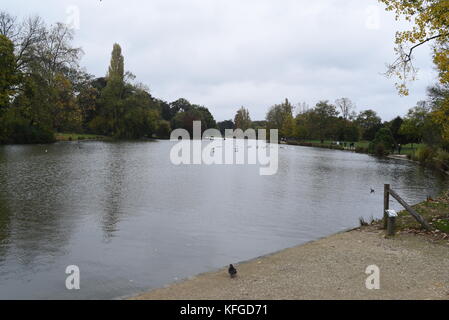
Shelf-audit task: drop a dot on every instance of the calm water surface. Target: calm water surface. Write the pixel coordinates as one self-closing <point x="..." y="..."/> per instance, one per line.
<point x="132" y="221"/>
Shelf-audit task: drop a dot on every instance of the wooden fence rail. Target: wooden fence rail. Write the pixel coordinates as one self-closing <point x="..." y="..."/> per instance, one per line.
<point x="387" y="192"/>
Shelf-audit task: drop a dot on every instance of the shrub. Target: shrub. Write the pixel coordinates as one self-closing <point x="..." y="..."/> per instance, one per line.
<point x="100" y="125"/>
<point x="163" y="129"/>
<point x="17" y="130"/>
<point x="359" y="149"/>
<point x="424" y="154"/>
<point x="380" y="150"/>
<point x="442" y="160"/>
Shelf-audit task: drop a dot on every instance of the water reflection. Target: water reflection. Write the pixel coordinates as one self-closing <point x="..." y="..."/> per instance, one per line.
<point x="113" y="184"/>
<point x="131" y="220"/>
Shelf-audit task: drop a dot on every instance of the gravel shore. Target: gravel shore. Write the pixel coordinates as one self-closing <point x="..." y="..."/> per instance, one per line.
<point x="411" y="267"/>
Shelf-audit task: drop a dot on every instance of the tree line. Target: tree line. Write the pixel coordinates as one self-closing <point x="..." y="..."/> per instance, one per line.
<point x="43" y="91"/>
<point x="426" y="123"/>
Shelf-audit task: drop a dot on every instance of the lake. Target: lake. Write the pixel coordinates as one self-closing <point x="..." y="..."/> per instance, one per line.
<point x="133" y="221"/>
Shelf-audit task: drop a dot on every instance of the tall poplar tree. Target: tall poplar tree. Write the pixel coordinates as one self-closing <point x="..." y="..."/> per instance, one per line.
<point x="117" y="66"/>
<point x="112" y="95"/>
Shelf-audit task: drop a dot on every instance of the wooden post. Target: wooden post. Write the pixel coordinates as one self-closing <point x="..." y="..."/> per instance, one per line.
<point x="386" y="204"/>
<point x="391" y="229"/>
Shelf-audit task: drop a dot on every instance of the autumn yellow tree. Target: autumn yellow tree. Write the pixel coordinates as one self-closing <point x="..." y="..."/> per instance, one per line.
<point x="430" y="24"/>
<point x="66" y="113"/>
<point x="441" y="117"/>
<point x="439" y="97"/>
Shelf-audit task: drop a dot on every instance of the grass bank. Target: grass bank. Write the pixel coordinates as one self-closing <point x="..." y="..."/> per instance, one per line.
<point x="78" y="137"/>
<point x="435" y="211"/>
<point x="360" y="146"/>
<point x="432" y="158"/>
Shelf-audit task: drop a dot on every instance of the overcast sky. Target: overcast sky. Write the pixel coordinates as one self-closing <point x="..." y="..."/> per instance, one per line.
<point x="227" y="53"/>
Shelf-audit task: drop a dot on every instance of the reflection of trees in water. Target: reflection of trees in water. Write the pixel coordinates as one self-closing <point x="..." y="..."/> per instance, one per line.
<point x="114" y="185"/>
<point x="5" y="220"/>
<point x="4" y="230"/>
<point x="5" y="214"/>
<point x="413" y="182"/>
<point x="36" y="191"/>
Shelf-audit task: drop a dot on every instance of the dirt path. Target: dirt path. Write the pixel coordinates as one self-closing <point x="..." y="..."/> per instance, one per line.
<point x="411" y="267"/>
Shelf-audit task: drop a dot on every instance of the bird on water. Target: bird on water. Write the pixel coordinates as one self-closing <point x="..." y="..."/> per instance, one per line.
<point x="372" y="191"/>
<point x="232" y="271"/>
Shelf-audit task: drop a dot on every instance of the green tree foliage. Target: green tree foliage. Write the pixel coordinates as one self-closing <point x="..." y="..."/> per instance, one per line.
<point x="138" y="116"/>
<point x="66" y="113"/>
<point x="207" y="117"/>
<point x="8" y="81"/>
<point x="259" y="124"/>
<point x="43" y="90"/>
<point x="8" y="75"/>
<point x="167" y="113"/>
<point x="324" y="123"/>
<point x="383" y="142"/>
<point x="345" y="130"/>
<point x="44" y="98"/>
<point x="188" y="113"/>
<point x="112" y="96"/>
<point x="415" y="122"/>
<point x="163" y="129"/>
<point x="303" y="127"/>
<point x="395" y="127"/>
<point x="242" y="120"/>
<point x="28" y="118"/>
<point x="87" y="101"/>
<point x="322" y="119"/>
<point x="17" y="130"/>
<point x="419" y="126"/>
<point x="180" y="105"/>
<point x="225" y="125"/>
<point x="370" y="123"/>
<point x="280" y="117"/>
<point x="439" y="99"/>
<point x="116" y="69"/>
